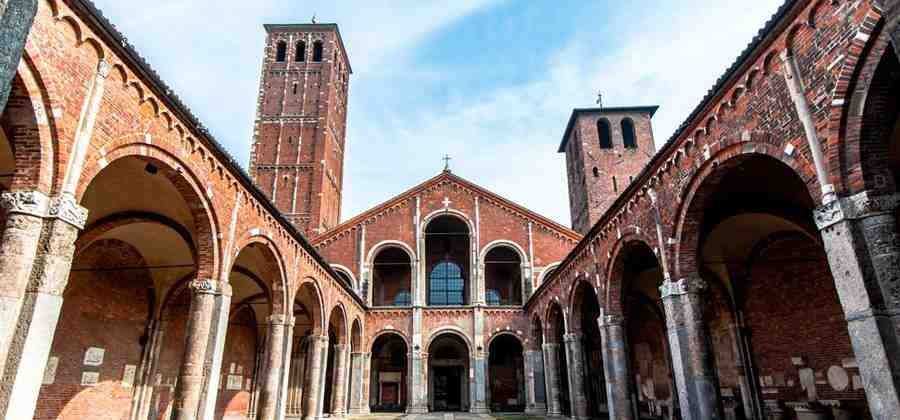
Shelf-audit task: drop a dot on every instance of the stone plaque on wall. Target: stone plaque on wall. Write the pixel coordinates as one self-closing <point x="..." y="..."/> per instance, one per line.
<point x="128" y="376"/>
<point x="50" y="371"/>
<point x="90" y="378"/>
<point x="235" y="382"/>
<point x="94" y="356"/>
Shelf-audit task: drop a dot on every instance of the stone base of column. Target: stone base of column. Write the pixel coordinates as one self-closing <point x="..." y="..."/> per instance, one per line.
<point x="417" y="410"/>
<point x="360" y="411"/>
<point x="537" y="410"/>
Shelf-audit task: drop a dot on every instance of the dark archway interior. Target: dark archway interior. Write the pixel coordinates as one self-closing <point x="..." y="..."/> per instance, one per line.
<point x="447" y="248"/>
<point x="391" y="278"/>
<point x="646" y="330"/>
<point x="763" y="261"/>
<point x="448" y="374"/>
<point x="588" y="308"/>
<point x="506" y="373"/>
<point x="503" y="277"/>
<point x="388" y="374"/>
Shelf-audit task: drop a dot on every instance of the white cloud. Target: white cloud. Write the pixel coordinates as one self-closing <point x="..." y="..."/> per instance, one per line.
<point x="506" y="139"/>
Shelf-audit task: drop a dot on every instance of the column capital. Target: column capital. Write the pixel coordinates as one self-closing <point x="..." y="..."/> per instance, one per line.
<point x="572" y="337"/>
<point x="65" y="208"/>
<point x="858" y="206"/>
<point x="610" y="320"/>
<point x="684" y="286"/>
<point x="209" y="287"/>
<point x="280" y="319"/>
<point x="33" y="203"/>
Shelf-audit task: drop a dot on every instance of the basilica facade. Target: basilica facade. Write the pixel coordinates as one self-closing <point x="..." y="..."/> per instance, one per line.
<point x="748" y="269"/>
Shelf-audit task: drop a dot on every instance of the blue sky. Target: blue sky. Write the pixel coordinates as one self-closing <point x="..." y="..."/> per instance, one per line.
<point x="490" y="82"/>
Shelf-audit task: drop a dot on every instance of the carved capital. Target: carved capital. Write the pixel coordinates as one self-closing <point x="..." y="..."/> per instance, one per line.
<point x="572" y="338"/>
<point x="610" y="321"/>
<point x="205" y="287"/>
<point x="34" y="203"/>
<point x="280" y="319"/>
<point x="682" y="287"/>
<point x="859" y="206"/>
<point x="65" y="208"/>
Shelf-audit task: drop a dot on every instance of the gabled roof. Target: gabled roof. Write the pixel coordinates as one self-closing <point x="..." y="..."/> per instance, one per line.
<point x="445" y="175"/>
<point x="651" y="109"/>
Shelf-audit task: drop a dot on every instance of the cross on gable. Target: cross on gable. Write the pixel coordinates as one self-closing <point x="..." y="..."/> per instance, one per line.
<point x="446" y="202"/>
<point x="446" y="160"/>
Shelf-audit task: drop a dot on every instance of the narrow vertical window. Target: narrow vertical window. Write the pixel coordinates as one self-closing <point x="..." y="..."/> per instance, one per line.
<point x="604" y="134"/>
<point x="628" y="134"/>
<point x="301" y="52"/>
<point x="318" y="51"/>
<point x="295" y="89"/>
<point x="615" y="185"/>
<point x="280" y="51"/>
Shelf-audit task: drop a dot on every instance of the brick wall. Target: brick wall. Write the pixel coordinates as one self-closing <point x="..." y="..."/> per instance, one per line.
<point x="102" y="309"/>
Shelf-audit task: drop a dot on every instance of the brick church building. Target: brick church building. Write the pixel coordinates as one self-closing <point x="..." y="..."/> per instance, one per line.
<point x="748" y="269"/>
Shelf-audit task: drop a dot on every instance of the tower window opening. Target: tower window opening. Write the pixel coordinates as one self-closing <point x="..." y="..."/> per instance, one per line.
<point x="301" y="52"/>
<point x="318" y="51"/>
<point x="280" y="51"/>
<point x="628" y="134"/>
<point x="295" y="89"/>
<point x="604" y="133"/>
<point x="596" y="172"/>
<point x="615" y="185"/>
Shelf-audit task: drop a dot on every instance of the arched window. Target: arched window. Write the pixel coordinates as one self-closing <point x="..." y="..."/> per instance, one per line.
<point x="280" y="51"/>
<point x="503" y="277"/>
<point x="604" y="134"/>
<point x="628" y="134"/>
<point x="447" y="261"/>
<point x="300" y="54"/>
<point x="318" y="50"/>
<point x="446" y="285"/>
<point x="391" y="278"/>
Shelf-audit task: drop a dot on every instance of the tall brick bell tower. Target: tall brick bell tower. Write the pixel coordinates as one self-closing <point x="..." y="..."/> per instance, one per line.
<point x="605" y="149"/>
<point x="297" y="157"/>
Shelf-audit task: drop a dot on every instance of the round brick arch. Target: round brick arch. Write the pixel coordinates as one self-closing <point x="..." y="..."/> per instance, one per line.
<point x="188" y="185"/>
<point x="577" y="294"/>
<point x="319" y="327"/>
<point x="708" y="176"/>
<point x="278" y="286"/>
<point x="36" y="149"/>
<point x="615" y="285"/>
<point x="845" y="144"/>
<point x="337" y="316"/>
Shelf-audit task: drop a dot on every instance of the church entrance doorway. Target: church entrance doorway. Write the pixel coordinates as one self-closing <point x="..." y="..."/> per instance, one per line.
<point x="448" y="363"/>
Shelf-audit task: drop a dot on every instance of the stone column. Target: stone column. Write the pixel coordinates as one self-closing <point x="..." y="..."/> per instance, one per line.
<point x="478" y="394"/>
<point x="359" y="400"/>
<point x="287" y="364"/>
<point x="576" y="370"/>
<point x="692" y="358"/>
<point x="314" y="373"/>
<point x="16" y="17"/>
<point x="144" y="386"/>
<point x="339" y="389"/>
<point x="216" y="350"/>
<point x="535" y="392"/>
<point x="616" y="367"/>
<point x="553" y="375"/>
<point x="29" y="347"/>
<point x="271" y="380"/>
<point x="18" y="250"/>
<point x="189" y="389"/>
<point x="863" y="247"/>
<point x="417" y="401"/>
